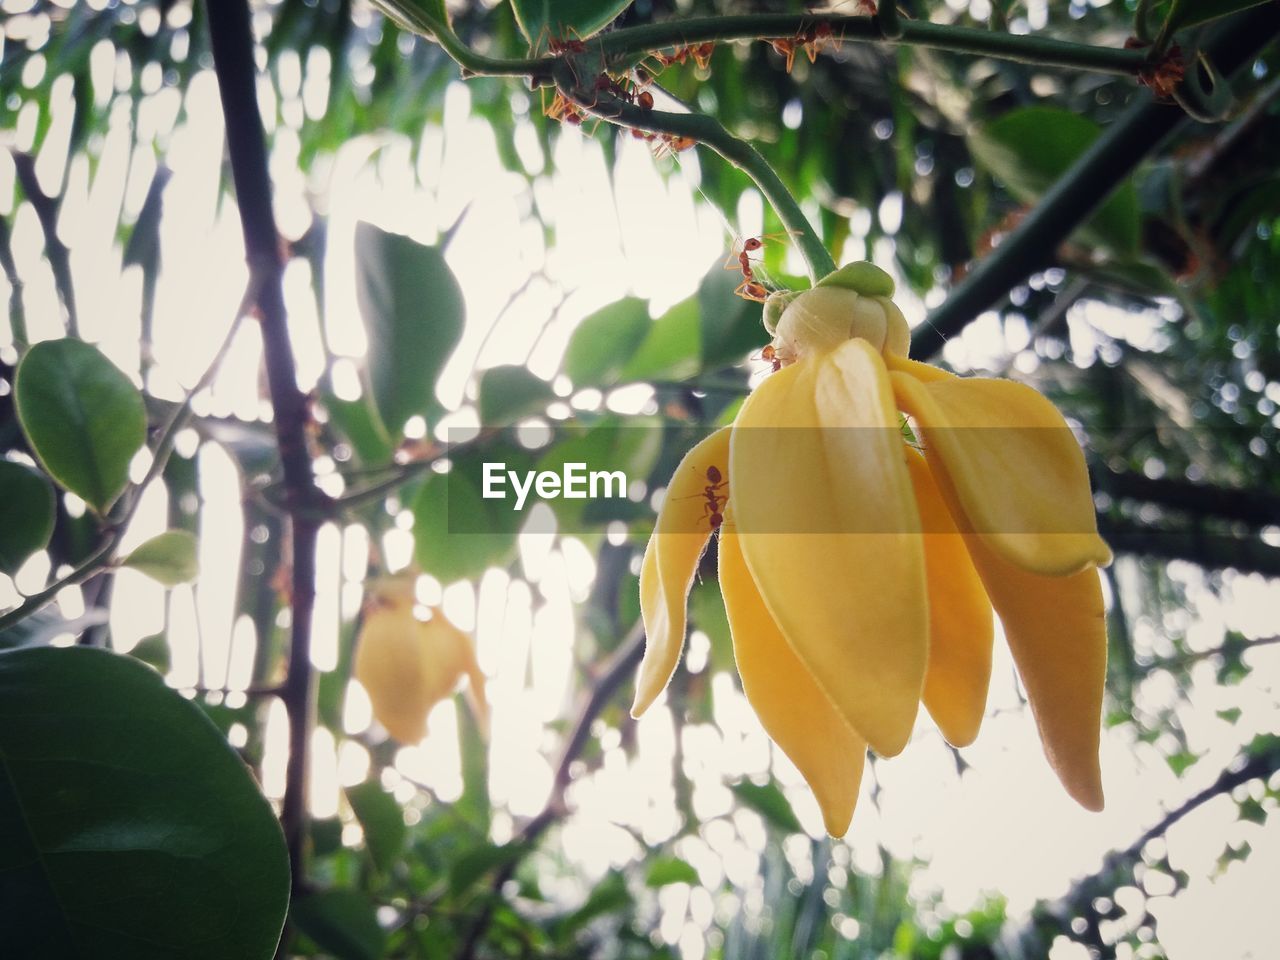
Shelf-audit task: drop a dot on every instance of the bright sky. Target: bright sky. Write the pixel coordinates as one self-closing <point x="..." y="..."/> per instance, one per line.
<point x="1005" y="826"/>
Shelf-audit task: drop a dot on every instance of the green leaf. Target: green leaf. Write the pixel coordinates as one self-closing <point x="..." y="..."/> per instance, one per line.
<point x="1181" y="761"/>
<point x="540" y="20"/>
<point x="1030" y="148"/>
<point x="1192" y="13"/>
<point x="128" y="826"/>
<point x="609" y="896"/>
<point x="83" y="418"/>
<point x="768" y="801"/>
<point x="467" y="870"/>
<point x="509" y="393"/>
<point x="382" y="821"/>
<point x="360" y="426"/>
<point x="731" y="327"/>
<point x="458" y="534"/>
<point x="605" y="341"/>
<point x="671" y="870"/>
<point x="671" y="349"/>
<point x="169" y="558"/>
<point x="413" y="313"/>
<point x="26" y="514"/>
<point x="341" y="922"/>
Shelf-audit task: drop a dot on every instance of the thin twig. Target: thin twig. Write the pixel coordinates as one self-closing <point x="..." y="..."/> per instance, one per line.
<point x="614" y="674"/>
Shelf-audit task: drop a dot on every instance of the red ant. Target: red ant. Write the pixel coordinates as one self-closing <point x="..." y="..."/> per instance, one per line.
<point x="740" y="259"/>
<point x="812" y="40"/>
<point x="712" y="509"/>
<point x="769" y="354"/>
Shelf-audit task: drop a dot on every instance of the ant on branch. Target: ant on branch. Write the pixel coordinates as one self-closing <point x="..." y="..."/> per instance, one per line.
<point x="812" y="40"/>
<point x="701" y="53"/>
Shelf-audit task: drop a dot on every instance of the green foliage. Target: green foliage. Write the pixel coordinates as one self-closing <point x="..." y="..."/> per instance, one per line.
<point x="82" y="416"/>
<point x="26" y="514"/>
<point x="341" y="922"/>
<point x="128" y="819"/>
<point x="413" y="312"/>
<point x="542" y="20"/>
<point x="169" y="558"/>
<point x="509" y="393"/>
<point x="1030" y="148"/>
<point x="382" y="820"/>
<point x="605" y="341"/>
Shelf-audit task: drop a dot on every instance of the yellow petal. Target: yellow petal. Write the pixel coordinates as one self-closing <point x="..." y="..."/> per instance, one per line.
<point x="671" y="562"/>
<point x="815" y="456"/>
<point x="792" y="708"/>
<point x="1010" y="469"/>
<point x="960" y="620"/>
<point x="448" y="654"/>
<point x="388" y="665"/>
<point x="1058" y="635"/>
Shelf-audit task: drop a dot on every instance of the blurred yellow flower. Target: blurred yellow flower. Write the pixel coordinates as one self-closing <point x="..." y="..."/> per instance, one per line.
<point x="407" y="665"/>
<point x="859" y="561"/>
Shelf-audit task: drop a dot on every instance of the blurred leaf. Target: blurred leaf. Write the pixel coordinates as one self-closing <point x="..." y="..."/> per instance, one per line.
<point x="540" y="20"/>
<point x="467" y="870"/>
<point x="1031" y="147"/>
<point x="1230" y="715"/>
<point x="128" y="819"/>
<point x="169" y="558"/>
<point x="26" y="514"/>
<point x="768" y="801"/>
<point x="382" y="820"/>
<point x="612" y="444"/>
<point x="1192" y="13"/>
<point x="731" y="327"/>
<point x="413" y="312"/>
<point x="458" y="534"/>
<point x="605" y="341"/>
<point x="359" y="424"/>
<point x="609" y="896"/>
<point x="1252" y="811"/>
<point x="671" y="870"/>
<point x="672" y="347"/>
<point x="706" y="608"/>
<point x="1181" y="761"/>
<point x="341" y="922"/>
<point x="510" y="393"/>
<point x="84" y="419"/>
<point x="154" y="652"/>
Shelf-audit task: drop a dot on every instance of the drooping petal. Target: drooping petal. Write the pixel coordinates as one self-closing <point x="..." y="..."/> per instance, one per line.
<point x="960" y="621"/>
<point x="793" y="709"/>
<point x="1010" y="468"/>
<point x="1057" y="632"/>
<point x="388" y="664"/>
<point x="671" y="562"/>
<point x="829" y="530"/>
<point x="448" y="654"/>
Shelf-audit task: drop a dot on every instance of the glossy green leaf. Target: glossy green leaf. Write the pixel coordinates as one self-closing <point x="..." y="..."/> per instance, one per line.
<point x="510" y="393"/>
<point x="26" y="514"/>
<point x="672" y="347"/>
<point x="768" y="801"/>
<point x="413" y="313"/>
<point x="382" y="820"/>
<point x="169" y="558"/>
<point x="605" y="341"/>
<point x="1031" y="147"/>
<point x="540" y="20"/>
<point x="342" y="923"/>
<point x="84" y="419"/>
<point x="128" y="825"/>
<point x="670" y="870"/>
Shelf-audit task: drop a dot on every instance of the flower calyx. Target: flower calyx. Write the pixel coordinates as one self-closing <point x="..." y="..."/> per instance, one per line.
<point x="854" y="302"/>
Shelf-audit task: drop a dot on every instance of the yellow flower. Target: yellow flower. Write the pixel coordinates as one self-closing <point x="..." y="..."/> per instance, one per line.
<point x="407" y="665"/>
<point x="859" y="565"/>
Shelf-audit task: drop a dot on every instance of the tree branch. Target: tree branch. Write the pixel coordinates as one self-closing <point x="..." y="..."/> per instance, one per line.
<point x="1083" y="188"/>
<point x="1211" y="550"/>
<point x="618" y="670"/>
<point x="231" y="38"/>
<point x="1259" y="508"/>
